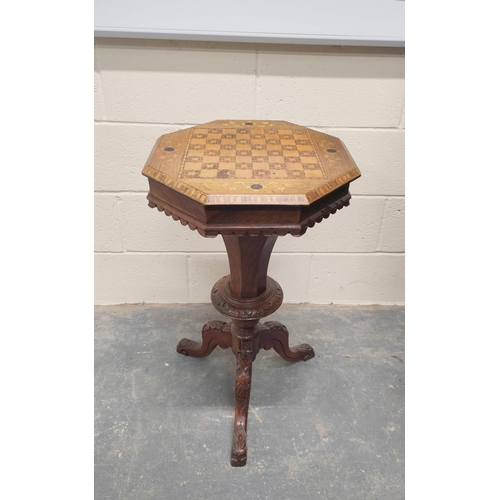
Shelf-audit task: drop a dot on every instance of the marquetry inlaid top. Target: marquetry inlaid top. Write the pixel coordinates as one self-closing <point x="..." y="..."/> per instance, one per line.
<point x="251" y="163"/>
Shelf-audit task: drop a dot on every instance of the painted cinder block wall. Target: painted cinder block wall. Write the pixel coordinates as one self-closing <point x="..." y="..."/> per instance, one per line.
<point x="144" y="89"/>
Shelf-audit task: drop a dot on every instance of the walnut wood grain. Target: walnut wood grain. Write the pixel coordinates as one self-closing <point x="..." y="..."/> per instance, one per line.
<point x="275" y="335"/>
<point x="248" y="262"/>
<point x="245" y="220"/>
<point x="245" y="347"/>
<point x="214" y="333"/>
<point x="246" y="295"/>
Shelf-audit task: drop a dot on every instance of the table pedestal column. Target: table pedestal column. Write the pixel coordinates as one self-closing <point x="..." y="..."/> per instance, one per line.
<point x="246" y="295"/>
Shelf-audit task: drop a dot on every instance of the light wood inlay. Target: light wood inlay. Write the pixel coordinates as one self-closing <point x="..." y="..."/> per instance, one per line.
<point x="253" y="162"/>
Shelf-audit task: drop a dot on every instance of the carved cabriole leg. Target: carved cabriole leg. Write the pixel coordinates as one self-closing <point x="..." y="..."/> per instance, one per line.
<point x="246" y="295"/>
<point x="245" y="346"/>
<point x="214" y="333"/>
<point x="274" y="334"/>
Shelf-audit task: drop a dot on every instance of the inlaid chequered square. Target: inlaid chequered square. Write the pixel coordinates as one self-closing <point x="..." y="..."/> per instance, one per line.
<point x="250" y="153"/>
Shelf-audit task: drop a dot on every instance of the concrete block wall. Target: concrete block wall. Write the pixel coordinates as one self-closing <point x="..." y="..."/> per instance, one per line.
<point x="144" y="89"/>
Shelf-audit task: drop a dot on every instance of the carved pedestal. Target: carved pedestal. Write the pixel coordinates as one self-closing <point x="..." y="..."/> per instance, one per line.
<point x="246" y="296"/>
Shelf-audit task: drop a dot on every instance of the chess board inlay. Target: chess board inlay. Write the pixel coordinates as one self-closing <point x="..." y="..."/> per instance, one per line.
<point x="251" y="153"/>
<point x="259" y="162"/>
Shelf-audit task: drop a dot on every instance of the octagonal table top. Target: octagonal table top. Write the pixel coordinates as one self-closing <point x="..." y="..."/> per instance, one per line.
<point x="253" y="162"/>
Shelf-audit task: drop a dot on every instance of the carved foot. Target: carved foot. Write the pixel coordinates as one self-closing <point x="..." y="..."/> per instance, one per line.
<point x="244" y="359"/>
<point x="214" y="333"/>
<point x="274" y="334"/>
